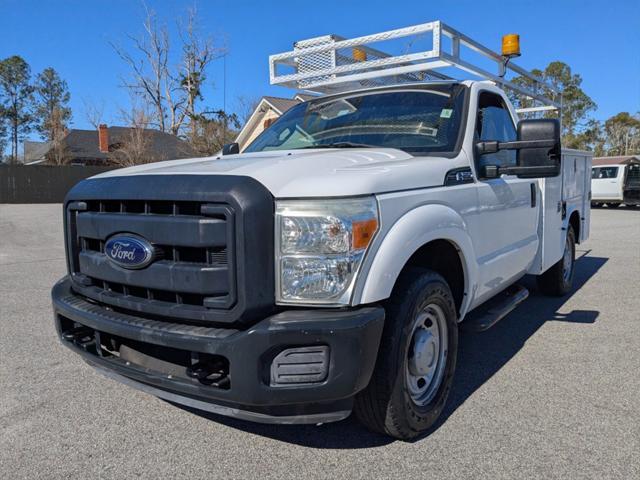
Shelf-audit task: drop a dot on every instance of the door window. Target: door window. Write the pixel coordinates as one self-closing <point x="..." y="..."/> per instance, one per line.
<point x="604" y="172"/>
<point x="495" y="123"/>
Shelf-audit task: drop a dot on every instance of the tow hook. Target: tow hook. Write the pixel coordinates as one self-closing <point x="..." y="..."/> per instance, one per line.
<point x="209" y="373"/>
<point x="80" y="336"/>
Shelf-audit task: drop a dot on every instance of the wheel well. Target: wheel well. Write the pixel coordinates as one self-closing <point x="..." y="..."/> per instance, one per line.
<point x="574" y="221"/>
<point x="442" y="257"/>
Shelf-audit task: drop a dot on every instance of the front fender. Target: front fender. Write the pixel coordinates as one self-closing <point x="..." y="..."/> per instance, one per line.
<point x="410" y="232"/>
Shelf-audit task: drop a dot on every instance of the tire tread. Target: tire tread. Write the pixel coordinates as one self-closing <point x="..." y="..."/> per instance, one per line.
<point x="552" y="281"/>
<point x="374" y="406"/>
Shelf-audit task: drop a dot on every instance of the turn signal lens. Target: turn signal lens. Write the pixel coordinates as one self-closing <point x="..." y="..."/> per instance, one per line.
<point x="363" y="232"/>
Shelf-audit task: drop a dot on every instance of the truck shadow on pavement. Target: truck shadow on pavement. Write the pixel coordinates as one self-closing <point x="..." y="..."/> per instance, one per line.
<point x="480" y="356"/>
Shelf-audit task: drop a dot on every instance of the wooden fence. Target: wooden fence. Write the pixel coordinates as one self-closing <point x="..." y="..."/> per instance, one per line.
<point x="41" y="183"/>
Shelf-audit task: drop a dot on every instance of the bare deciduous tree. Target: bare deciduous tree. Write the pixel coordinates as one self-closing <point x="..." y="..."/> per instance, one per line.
<point x="151" y="78"/>
<point x="169" y="89"/>
<point x="134" y="147"/>
<point x="197" y="53"/>
<point x="58" y="153"/>
<point x="211" y="130"/>
<point x="244" y="107"/>
<point x="93" y="112"/>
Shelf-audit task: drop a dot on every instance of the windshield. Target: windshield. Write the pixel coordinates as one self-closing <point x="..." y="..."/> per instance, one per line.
<point x="416" y="121"/>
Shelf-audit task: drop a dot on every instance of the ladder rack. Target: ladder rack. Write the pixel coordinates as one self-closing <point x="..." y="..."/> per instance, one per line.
<point x="331" y="63"/>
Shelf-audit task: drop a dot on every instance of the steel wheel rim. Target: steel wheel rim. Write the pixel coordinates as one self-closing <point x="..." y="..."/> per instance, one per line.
<point x="567" y="261"/>
<point x="426" y="354"/>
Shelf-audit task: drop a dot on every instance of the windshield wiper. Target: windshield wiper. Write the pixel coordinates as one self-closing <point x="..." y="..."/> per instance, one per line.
<point x="339" y="145"/>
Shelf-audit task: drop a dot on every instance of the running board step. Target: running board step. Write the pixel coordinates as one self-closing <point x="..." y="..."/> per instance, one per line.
<point x="495" y="309"/>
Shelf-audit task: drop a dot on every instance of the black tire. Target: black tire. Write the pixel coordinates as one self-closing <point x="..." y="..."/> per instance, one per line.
<point x="386" y="406"/>
<point x="556" y="281"/>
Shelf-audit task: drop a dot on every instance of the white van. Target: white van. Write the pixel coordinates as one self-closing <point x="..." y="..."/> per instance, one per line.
<point x="615" y="184"/>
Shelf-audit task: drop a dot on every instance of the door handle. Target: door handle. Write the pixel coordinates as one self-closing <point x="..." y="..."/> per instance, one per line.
<point x="533" y="195"/>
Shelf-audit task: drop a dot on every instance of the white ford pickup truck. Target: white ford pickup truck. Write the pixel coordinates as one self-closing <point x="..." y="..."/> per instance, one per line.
<point x="328" y="267"/>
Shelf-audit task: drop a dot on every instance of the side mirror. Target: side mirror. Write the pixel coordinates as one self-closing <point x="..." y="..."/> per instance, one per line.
<point x="540" y="161"/>
<point x="538" y="150"/>
<point x="230" y="149"/>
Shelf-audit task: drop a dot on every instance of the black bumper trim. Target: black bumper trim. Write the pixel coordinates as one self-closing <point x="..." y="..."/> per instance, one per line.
<point x="310" y="418"/>
<point x="178" y="335"/>
<point x="352" y="336"/>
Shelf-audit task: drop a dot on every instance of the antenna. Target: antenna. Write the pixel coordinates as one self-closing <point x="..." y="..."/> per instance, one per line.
<point x="224" y="82"/>
<point x="224" y="97"/>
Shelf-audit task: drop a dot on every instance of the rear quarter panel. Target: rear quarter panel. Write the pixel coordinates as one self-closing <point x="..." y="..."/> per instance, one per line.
<point x="576" y="188"/>
<point x="561" y="196"/>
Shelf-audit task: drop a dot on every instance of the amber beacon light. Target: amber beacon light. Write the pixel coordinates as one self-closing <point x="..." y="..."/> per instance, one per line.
<point x="359" y="54"/>
<point x="511" y="45"/>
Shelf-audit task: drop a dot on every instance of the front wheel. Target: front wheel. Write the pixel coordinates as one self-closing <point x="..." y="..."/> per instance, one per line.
<point x="417" y="358"/>
<point x="558" y="280"/>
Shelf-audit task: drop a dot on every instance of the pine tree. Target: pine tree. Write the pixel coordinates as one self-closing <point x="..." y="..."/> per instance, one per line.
<point x="52" y="98"/>
<point x="16" y="95"/>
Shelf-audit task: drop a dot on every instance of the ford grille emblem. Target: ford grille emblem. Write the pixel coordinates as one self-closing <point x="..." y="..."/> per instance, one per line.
<point x="129" y="251"/>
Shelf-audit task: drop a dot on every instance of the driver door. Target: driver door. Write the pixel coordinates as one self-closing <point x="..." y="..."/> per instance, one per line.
<point x="506" y="239"/>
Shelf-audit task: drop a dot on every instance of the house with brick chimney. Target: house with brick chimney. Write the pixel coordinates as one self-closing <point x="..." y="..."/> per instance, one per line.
<point x="91" y="147"/>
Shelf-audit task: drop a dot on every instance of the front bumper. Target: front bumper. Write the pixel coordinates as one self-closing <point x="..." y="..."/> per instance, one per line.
<point x="352" y="337"/>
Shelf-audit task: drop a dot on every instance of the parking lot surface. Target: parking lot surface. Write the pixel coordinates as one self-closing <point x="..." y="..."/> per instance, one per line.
<point x="552" y="391"/>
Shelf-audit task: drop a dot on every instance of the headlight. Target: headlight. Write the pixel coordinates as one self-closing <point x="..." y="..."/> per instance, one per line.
<point x="320" y="246"/>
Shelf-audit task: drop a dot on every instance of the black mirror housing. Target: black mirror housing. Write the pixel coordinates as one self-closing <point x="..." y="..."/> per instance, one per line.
<point x="230" y="149"/>
<point x="538" y="147"/>
<point x="544" y="160"/>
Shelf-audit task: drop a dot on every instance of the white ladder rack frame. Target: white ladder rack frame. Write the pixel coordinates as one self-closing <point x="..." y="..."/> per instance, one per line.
<point x="325" y="80"/>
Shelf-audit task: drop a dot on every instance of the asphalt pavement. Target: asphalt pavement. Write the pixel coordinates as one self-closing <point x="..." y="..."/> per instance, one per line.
<point x="552" y="391"/>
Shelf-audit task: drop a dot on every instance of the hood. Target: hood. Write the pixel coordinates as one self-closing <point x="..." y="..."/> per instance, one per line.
<point x="313" y="173"/>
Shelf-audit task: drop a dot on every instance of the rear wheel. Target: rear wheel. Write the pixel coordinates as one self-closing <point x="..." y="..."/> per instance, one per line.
<point x="416" y="361"/>
<point x="558" y="280"/>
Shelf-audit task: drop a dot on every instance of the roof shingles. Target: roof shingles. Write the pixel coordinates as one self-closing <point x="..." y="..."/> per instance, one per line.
<point x="615" y="160"/>
<point x="83" y="145"/>
<point x="282" y="104"/>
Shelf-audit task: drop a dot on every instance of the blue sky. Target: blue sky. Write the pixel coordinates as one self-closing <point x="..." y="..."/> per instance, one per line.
<point x="600" y="40"/>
